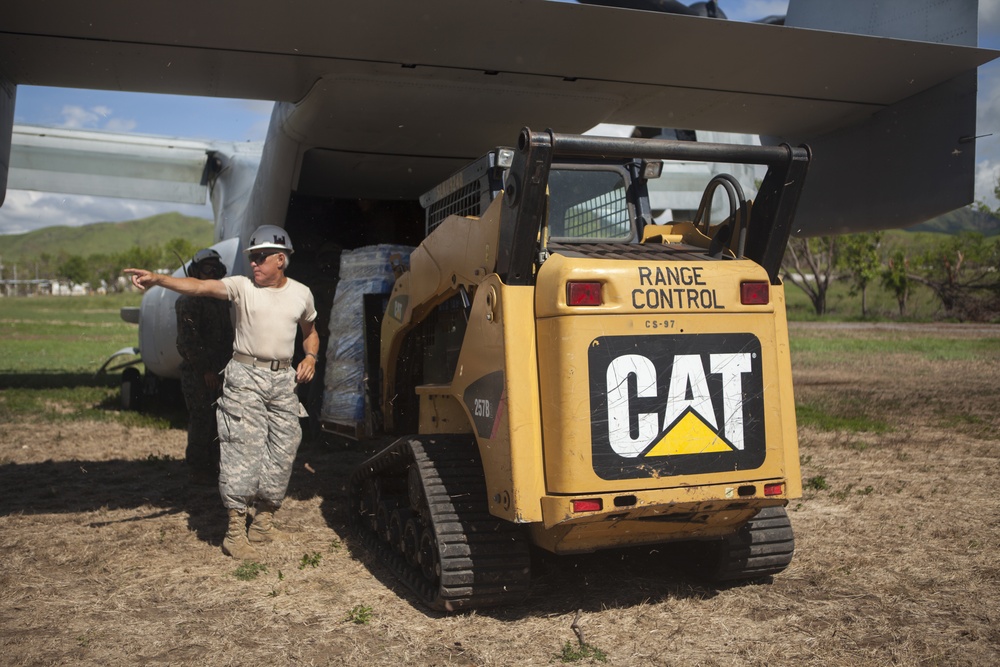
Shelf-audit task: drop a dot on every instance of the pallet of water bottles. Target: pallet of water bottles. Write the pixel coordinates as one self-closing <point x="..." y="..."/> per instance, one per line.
<point x="366" y="278"/>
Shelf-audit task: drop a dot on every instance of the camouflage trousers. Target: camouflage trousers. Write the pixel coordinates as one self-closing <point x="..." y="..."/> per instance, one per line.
<point x="259" y="434"/>
<point x="202" y="451"/>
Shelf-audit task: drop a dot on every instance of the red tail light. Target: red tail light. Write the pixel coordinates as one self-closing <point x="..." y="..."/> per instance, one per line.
<point x="755" y="293"/>
<point x="774" y="489"/>
<point x="587" y="505"/>
<point x="583" y="294"/>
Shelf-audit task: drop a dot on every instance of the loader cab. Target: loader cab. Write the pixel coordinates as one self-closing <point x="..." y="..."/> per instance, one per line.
<point x="593" y="202"/>
<point x="588" y="200"/>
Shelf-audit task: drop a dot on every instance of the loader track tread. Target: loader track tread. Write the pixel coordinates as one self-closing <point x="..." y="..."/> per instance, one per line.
<point x="762" y="547"/>
<point x="484" y="561"/>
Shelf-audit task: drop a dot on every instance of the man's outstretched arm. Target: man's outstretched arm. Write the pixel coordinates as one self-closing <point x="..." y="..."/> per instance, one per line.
<point x="144" y="279"/>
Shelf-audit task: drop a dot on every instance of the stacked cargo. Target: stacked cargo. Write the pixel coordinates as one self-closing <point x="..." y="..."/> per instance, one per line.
<point x="370" y="270"/>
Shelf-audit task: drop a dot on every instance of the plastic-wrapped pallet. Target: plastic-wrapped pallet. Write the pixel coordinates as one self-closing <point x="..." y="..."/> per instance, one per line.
<point x="367" y="270"/>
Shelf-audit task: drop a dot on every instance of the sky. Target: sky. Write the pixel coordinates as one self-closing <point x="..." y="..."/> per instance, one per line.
<point x="247" y="120"/>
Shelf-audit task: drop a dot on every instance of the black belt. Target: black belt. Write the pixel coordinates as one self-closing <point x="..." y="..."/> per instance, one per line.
<point x="272" y="364"/>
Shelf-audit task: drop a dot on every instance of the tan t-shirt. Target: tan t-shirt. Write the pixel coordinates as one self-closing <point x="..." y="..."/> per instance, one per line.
<point x="266" y="318"/>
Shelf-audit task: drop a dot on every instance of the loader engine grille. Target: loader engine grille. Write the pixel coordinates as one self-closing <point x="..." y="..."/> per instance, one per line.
<point x="468" y="192"/>
<point x="466" y="201"/>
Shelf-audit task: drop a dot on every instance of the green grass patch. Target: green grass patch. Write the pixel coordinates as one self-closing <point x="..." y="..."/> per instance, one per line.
<point x="811" y="415"/>
<point x="581" y="651"/>
<point x="928" y="347"/>
<point x="52" y="350"/>
<point x="249" y="570"/>
<point x="360" y="615"/>
<point x="310" y="560"/>
<point x="63" y="334"/>
<point x="816" y="483"/>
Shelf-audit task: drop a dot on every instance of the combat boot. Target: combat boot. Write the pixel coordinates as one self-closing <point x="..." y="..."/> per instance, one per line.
<point x="235" y="543"/>
<point x="262" y="529"/>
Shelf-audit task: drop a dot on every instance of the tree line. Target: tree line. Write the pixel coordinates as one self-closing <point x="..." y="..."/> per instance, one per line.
<point x="105" y="269"/>
<point x="961" y="271"/>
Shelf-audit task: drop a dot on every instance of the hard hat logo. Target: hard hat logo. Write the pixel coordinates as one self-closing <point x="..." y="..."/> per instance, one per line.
<point x="269" y="236"/>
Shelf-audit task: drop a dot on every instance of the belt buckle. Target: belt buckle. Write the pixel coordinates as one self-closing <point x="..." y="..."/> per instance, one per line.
<point x="275" y="364"/>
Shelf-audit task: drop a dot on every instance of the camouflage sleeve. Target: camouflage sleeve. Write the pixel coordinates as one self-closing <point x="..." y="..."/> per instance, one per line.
<point x="190" y="342"/>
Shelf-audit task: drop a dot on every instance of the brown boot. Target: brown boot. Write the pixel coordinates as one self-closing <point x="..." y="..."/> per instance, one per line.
<point x="235" y="543"/>
<point x="262" y="529"/>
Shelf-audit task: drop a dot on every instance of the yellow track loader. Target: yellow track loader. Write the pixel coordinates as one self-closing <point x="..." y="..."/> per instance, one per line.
<point x="567" y="374"/>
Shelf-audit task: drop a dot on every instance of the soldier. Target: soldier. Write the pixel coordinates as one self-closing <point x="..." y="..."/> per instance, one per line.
<point x="205" y="343"/>
<point x="258" y="414"/>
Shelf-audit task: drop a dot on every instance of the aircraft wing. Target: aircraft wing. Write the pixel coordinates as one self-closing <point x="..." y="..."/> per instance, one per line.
<point x="383" y="100"/>
<point x="108" y="164"/>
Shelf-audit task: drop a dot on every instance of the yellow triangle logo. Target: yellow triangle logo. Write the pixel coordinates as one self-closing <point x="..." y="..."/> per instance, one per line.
<point x="689" y="435"/>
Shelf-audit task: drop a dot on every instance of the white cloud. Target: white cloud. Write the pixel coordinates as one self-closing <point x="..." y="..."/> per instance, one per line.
<point x="120" y="125"/>
<point x="76" y="117"/>
<point x="24" y="211"/>
<point x="753" y="10"/>
<point x="989" y="16"/>
<point x="987" y="173"/>
<point x="99" y="117"/>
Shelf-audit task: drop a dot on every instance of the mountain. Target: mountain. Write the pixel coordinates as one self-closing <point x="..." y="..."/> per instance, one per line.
<point x="105" y="237"/>
<point x="965" y="219"/>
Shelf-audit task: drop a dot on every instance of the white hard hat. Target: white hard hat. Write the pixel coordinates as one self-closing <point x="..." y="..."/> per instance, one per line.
<point x="269" y="236"/>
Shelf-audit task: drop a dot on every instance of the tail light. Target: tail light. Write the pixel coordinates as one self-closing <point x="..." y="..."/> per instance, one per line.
<point x="583" y="294"/>
<point x="587" y="505"/>
<point x="755" y="293"/>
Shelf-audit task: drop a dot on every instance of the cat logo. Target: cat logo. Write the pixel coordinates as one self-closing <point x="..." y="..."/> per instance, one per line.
<point x="675" y="405"/>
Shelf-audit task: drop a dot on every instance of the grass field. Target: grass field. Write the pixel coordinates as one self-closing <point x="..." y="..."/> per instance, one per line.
<point x="112" y="558"/>
<point x="63" y="334"/>
<point x="53" y="346"/>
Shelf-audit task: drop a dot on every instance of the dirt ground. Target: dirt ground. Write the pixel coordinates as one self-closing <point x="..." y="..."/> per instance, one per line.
<point x="111" y="557"/>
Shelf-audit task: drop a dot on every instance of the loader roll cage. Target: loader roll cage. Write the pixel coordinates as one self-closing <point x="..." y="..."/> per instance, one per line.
<point x="525" y="202"/>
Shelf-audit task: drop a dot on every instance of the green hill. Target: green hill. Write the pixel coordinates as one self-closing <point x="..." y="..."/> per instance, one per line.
<point x="965" y="219"/>
<point x="105" y="237"/>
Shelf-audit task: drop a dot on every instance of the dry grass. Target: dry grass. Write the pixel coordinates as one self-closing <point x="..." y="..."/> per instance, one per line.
<point x="111" y="558"/>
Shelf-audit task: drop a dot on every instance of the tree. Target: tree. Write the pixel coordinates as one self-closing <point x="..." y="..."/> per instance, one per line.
<point x="808" y="264"/>
<point x="178" y="249"/>
<point x="859" y="255"/>
<point x="75" y="270"/>
<point x="896" y="279"/>
<point x="962" y="273"/>
<point x="149" y="257"/>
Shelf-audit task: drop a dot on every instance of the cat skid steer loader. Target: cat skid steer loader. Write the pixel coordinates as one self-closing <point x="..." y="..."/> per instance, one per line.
<point x="564" y="373"/>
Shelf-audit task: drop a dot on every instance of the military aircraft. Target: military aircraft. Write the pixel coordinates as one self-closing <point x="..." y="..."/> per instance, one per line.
<point x="376" y="103"/>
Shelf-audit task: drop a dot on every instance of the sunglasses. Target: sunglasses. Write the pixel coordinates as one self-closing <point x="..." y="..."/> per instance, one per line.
<point x="260" y="257"/>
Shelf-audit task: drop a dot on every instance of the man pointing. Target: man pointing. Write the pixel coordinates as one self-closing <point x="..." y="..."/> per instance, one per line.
<point x="258" y="413"/>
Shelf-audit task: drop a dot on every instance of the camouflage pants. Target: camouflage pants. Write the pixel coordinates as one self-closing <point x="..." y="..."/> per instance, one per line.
<point x="259" y="434"/>
<point x="202" y="451"/>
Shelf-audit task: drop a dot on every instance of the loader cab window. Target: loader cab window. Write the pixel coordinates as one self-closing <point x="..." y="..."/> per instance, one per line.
<point x="589" y="204"/>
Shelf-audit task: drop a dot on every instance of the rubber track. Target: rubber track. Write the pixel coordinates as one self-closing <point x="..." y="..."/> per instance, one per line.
<point x="484" y="561"/>
<point x="762" y="547"/>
